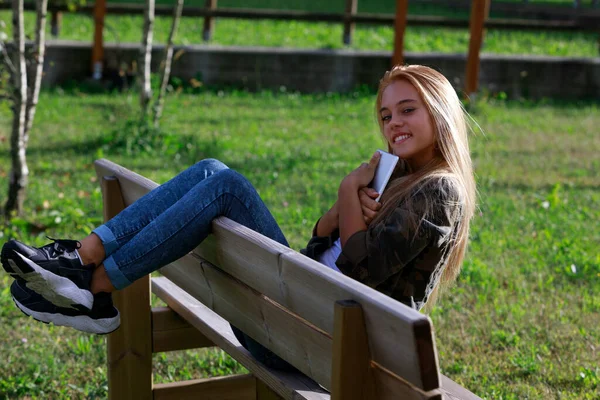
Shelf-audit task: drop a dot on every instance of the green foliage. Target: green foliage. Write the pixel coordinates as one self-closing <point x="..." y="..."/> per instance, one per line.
<point x="518" y="324"/>
<point x="589" y="378"/>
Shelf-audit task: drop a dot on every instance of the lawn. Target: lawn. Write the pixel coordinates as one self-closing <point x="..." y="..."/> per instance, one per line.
<point x="522" y="322"/>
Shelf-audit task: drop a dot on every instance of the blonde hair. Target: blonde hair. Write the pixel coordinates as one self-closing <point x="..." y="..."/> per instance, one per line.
<point x="451" y="165"/>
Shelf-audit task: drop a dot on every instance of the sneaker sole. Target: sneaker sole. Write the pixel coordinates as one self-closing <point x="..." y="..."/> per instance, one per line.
<point x="58" y="290"/>
<point x="81" y="322"/>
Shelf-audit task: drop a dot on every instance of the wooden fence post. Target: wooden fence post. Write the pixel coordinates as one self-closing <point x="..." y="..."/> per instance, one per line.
<point x="479" y="11"/>
<point x="351" y="6"/>
<point x="399" y="28"/>
<point x="350" y="370"/>
<point x="55" y="22"/>
<point x="209" y="22"/>
<point x="129" y="348"/>
<point x="98" y="49"/>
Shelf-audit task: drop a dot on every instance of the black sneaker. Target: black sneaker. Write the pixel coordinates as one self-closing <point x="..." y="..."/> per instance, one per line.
<point x="101" y="319"/>
<point x="54" y="271"/>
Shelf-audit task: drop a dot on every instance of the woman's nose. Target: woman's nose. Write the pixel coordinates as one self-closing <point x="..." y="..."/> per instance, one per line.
<point x="397" y="120"/>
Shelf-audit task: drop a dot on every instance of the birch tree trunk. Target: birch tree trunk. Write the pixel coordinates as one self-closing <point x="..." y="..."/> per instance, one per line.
<point x="19" y="173"/>
<point x="146" y="57"/>
<point x="36" y="67"/>
<point x="158" y="106"/>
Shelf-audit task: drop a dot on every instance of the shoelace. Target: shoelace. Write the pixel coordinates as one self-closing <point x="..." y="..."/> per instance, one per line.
<point x="61" y="245"/>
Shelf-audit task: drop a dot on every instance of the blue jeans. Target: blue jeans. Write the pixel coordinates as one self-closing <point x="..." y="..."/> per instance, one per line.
<point x="173" y="219"/>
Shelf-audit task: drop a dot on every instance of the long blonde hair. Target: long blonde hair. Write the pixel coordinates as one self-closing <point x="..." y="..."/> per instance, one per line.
<point x="451" y="163"/>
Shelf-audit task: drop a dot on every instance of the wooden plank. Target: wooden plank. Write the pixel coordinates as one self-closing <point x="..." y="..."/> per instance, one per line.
<point x="289" y="336"/>
<point x="391" y="387"/>
<point x="170" y="332"/>
<point x="388" y="385"/>
<point x="233" y="387"/>
<point x="304" y="287"/>
<point x="399" y="28"/>
<point x="129" y="348"/>
<point x="218" y="330"/>
<point x="478" y="16"/>
<point x="309" y="289"/>
<point x="351" y="7"/>
<point x="133" y="186"/>
<point x="453" y="391"/>
<point x="351" y="375"/>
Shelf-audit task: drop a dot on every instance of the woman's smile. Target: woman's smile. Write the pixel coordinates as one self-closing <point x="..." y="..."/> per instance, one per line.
<point x="400" y="138"/>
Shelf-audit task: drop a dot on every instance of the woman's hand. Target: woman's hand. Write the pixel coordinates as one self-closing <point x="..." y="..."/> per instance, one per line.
<point x="351" y="219"/>
<point x="370" y="207"/>
<point x="361" y="176"/>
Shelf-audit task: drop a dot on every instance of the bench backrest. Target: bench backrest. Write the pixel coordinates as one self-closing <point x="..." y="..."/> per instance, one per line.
<point x="285" y="301"/>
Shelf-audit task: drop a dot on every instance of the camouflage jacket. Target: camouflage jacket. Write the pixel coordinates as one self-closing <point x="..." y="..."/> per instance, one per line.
<point x="396" y="257"/>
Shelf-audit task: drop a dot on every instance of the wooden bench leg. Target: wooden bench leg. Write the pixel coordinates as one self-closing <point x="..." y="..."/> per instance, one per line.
<point x="351" y="377"/>
<point x="130" y="346"/>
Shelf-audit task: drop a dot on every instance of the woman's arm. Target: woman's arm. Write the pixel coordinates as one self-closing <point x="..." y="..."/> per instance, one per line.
<point x="351" y="218"/>
<point x="328" y="222"/>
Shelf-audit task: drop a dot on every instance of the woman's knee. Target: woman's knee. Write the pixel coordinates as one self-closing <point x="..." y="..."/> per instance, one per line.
<point x="210" y="166"/>
<point x="235" y="179"/>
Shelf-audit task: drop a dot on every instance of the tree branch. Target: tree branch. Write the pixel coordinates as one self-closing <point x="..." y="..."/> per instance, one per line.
<point x="145" y="57"/>
<point x="36" y="67"/>
<point x="6" y="58"/>
<point x="158" y="106"/>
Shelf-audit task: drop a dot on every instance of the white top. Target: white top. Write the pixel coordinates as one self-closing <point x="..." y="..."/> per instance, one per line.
<point x="331" y="254"/>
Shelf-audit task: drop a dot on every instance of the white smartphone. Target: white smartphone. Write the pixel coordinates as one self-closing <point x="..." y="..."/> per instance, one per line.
<point x="384" y="170"/>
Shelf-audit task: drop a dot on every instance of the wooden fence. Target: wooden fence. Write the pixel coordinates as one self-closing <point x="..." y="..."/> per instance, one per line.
<point x="565" y="19"/>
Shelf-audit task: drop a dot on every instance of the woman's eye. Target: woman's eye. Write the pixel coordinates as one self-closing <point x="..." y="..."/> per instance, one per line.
<point x="408" y="110"/>
<point x="386" y="117"/>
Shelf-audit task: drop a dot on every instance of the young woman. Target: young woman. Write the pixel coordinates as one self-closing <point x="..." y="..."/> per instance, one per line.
<point x="406" y="246"/>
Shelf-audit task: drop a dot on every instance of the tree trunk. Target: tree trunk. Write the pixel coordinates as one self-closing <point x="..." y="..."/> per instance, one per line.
<point x="146" y="57"/>
<point x="36" y="67"/>
<point x="19" y="172"/>
<point x="158" y="106"/>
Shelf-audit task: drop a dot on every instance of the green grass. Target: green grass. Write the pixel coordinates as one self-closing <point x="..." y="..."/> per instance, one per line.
<point x="522" y="321"/>
<point x="229" y="32"/>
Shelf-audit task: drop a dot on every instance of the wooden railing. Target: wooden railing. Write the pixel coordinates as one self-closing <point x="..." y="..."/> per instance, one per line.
<point x="564" y="19"/>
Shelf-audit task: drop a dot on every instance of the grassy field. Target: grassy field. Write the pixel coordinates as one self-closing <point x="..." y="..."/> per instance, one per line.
<point x="121" y="29"/>
<point x="522" y="321"/>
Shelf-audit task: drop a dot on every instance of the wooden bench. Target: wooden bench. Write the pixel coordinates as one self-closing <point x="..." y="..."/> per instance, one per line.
<point x="345" y="336"/>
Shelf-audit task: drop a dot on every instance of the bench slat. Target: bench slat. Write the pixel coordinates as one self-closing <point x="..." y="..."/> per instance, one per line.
<point x="289" y="386"/>
<point x="265" y="321"/>
<point x="170" y="332"/>
<point x="400" y="339"/>
<point x="232" y="387"/>
<point x="453" y="391"/>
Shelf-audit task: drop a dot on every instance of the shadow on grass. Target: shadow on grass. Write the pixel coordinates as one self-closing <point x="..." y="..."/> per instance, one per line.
<point x="522" y="187"/>
<point x="61" y="150"/>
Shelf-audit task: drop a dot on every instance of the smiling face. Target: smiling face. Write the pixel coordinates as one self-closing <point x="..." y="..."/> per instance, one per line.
<point x="407" y="125"/>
